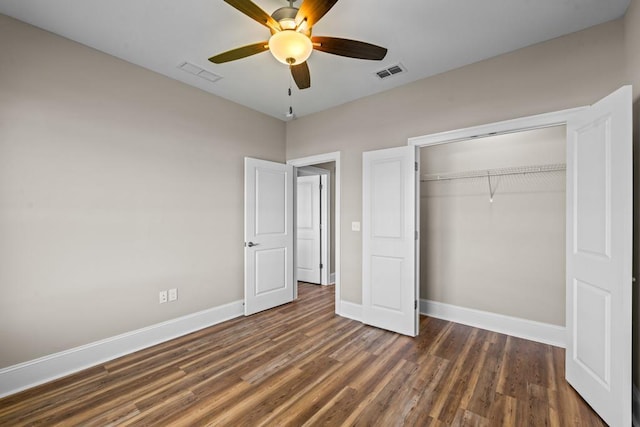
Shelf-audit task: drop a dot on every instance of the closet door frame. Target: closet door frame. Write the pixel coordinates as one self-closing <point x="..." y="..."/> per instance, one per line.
<point x="523" y="124"/>
<point x="617" y="109"/>
<point x="556" y="118"/>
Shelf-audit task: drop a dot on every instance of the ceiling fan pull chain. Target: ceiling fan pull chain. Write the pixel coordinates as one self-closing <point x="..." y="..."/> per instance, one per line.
<point x="289" y="114"/>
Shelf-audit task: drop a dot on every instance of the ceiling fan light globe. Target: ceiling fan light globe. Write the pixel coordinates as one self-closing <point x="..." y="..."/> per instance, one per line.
<point x="290" y="47"/>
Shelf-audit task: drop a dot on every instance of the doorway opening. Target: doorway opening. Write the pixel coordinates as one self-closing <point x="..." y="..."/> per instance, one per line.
<point x="315" y="254"/>
<point x="328" y="162"/>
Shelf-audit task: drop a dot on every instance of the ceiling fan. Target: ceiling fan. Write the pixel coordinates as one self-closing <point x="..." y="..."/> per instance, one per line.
<point x="291" y="42"/>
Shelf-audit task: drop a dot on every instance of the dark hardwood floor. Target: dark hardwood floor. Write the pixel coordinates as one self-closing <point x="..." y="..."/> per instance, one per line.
<point x="300" y="364"/>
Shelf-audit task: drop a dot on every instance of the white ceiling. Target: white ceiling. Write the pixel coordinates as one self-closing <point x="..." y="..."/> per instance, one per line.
<point x="426" y="36"/>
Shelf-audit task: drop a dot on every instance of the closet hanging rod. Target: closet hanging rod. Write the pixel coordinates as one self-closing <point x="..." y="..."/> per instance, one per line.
<point x="494" y="172"/>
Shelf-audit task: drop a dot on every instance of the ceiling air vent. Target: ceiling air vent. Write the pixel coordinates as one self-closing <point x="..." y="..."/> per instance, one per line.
<point x="391" y="71"/>
<point x="199" y="72"/>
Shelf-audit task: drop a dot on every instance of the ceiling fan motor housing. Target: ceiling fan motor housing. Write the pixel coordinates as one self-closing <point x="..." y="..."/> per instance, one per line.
<point x="286" y="17"/>
<point x="287" y="12"/>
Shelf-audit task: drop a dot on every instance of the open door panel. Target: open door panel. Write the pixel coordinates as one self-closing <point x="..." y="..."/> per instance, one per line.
<point x="389" y="239"/>
<point x="599" y="256"/>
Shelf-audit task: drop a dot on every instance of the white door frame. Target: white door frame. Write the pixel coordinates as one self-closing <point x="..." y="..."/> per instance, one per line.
<point x="557" y="118"/>
<point x="325" y="217"/>
<point x="314" y="160"/>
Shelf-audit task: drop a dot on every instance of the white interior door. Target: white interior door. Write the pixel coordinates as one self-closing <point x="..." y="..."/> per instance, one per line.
<point x="389" y="239"/>
<point x="308" y="229"/>
<point x="268" y="235"/>
<point x="599" y="257"/>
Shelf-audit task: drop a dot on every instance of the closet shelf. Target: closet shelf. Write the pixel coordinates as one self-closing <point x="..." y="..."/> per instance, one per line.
<point x="494" y="172"/>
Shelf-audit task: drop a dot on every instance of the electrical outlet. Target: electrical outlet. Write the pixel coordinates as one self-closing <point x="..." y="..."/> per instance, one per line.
<point x="173" y="294"/>
<point x="163" y="297"/>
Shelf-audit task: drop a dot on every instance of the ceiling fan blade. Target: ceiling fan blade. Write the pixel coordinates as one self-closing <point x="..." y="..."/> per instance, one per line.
<point x="313" y="10"/>
<point x="301" y="75"/>
<point x="254" y="12"/>
<point x="349" y="48"/>
<point x="239" y="53"/>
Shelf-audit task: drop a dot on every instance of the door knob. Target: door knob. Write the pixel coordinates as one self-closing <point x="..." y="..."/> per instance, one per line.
<point x="251" y="244"/>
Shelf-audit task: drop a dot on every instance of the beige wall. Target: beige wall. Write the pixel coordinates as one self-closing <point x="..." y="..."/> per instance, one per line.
<point x="505" y="256"/>
<point x="115" y="183"/>
<point x="570" y="71"/>
<point x="632" y="43"/>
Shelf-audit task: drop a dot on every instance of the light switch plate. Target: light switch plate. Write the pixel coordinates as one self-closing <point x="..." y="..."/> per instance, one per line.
<point x="355" y="226"/>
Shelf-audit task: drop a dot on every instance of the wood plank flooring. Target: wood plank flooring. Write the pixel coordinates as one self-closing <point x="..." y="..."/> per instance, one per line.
<point x="300" y="364"/>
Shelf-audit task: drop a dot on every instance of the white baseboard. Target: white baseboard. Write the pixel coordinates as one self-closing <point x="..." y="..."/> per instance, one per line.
<point x="332" y="278"/>
<point x="636" y="406"/>
<point x="351" y="310"/>
<point x="522" y="328"/>
<point x="44" y="369"/>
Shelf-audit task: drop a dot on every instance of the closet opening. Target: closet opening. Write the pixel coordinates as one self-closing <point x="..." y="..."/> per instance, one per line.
<point x="492" y="221"/>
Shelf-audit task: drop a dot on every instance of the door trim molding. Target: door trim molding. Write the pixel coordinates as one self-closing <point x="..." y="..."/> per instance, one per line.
<point x="324" y="158"/>
<point x="22" y="376"/>
<point x="497" y="128"/>
<point x="503" y="127"/>
<point x="325" y="208"/>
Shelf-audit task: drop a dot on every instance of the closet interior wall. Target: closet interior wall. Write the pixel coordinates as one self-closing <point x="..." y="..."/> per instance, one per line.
<point x="505" y="256"/>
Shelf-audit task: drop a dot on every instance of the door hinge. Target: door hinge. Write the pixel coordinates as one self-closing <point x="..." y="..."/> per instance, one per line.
<point x="415" y="304"/>
<point x="321" y="266"/>
<point x="416" y="165"/>
<point x="416" y="236"/>
<point x="321" y="187"/>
